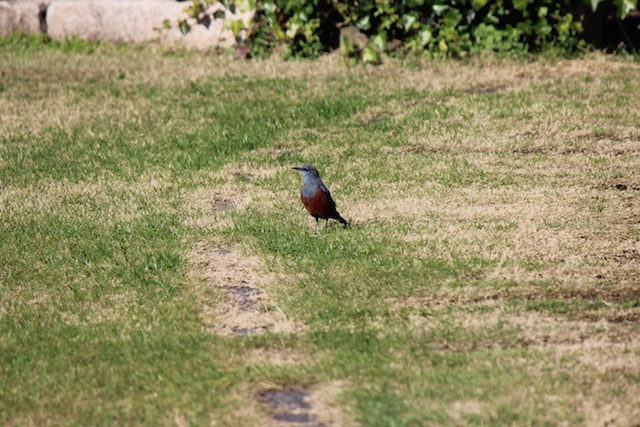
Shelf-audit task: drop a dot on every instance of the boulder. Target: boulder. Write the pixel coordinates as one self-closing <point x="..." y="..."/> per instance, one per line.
<point x="27" y="16"/>
<point x="135" y="21"/>
<point x="110" y="20"/>
<point x="118" y="21"/>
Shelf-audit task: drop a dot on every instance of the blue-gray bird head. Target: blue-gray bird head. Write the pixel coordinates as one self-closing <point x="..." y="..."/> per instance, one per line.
<point x="308" y="171"/>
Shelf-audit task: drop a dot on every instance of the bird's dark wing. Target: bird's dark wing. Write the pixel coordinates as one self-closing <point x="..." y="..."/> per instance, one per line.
<point x="332" y="204"/>
<point x="333" y="212"/>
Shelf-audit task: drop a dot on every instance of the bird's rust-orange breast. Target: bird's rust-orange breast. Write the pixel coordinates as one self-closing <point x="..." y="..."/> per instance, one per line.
<point x="319" y="205"/>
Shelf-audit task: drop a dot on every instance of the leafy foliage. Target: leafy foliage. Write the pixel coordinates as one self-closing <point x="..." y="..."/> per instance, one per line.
<point x="434" y="28"/>
<point x="366" y="29"/>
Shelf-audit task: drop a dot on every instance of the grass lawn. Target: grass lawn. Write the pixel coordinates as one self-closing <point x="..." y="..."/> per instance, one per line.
<point x="158" y="268"/>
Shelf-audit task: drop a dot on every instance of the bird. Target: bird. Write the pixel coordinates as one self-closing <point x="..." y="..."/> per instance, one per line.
<point x="316" y="197"/>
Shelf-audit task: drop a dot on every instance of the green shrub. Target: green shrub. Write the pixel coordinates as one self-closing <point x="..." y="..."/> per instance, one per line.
<point x="433" y="28"/>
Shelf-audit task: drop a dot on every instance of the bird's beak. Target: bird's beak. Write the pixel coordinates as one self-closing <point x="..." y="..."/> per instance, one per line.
<point x="297" y="168"/>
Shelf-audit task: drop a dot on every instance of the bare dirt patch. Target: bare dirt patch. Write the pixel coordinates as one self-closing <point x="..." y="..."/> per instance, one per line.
<point x="276" y="406"/>
<point x="288" y="405"/>
<point x="314" y="408"/>
<point x="238" y="301"/>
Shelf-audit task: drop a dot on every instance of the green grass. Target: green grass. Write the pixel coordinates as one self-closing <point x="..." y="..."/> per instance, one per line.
<point x="487" y="237"/>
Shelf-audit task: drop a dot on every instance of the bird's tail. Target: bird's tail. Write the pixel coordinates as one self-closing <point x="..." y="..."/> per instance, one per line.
<point x="342" y="220"/>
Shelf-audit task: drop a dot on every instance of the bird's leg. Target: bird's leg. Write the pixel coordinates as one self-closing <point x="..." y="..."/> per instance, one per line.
<point x="326" y="222"/>
<point x="316" y="225"/>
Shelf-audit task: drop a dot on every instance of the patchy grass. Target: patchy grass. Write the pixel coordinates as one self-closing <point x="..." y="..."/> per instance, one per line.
<point x="158" y="267"/>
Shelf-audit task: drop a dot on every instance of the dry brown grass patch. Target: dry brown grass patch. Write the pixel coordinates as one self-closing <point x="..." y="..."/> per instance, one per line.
<point x="15" y="300"/>
<point x="246" y="410"/>
<point x="600" y="356"/>
<point x="325" y="407"/>
<point x="64" y="111"/>
<point x="245" y="172"/>
<point x="567" y="233"/>
<point x="276" y="357"/>
<point x="490" y="72"/>
<point x="459" y="409"/>
<point x="115" y="308"/>
<point x="112" y="200"/>
<point x="234" y="188"/>
<point x="210" y="207"/>
<point x="610" y="353"/>
<point x="619" y="339"/>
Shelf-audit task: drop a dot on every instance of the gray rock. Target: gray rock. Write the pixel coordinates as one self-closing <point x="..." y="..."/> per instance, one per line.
<point x="116" y="21"/>
<point x="26" y="16"/>
<point x="110" y="20"/>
